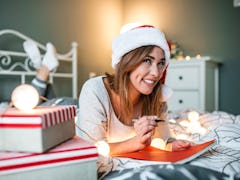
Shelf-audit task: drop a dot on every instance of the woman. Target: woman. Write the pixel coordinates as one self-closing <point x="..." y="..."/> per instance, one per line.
<point x="121" y="108"/>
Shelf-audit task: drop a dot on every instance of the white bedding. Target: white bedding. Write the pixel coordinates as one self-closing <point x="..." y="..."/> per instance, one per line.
<point x="224" y="157"/>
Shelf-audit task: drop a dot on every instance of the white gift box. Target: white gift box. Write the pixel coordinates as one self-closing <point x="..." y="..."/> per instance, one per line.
<point x="71" y="160"/>
<point x="36" y="130"/>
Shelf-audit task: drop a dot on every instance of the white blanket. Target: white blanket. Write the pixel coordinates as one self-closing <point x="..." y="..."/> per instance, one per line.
<point x="224" y="157"/>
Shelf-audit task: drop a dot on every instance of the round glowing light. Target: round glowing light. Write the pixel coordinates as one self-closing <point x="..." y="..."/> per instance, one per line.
<point x="158" y="143"/>
<point x="103" y="148"/>
<point x="193" y="116"/>
<point x="173" y="121"/>
<point x="184" y="123"/>
<point x="198" y="56"/>
<point x="182" y="136"/>
<point x="188" y="58"/>
<point x="25" y="97"/>
<point x="202" y="131"/>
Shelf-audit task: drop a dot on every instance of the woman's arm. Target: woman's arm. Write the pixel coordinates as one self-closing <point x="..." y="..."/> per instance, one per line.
<point x="130" y="145"/>
<point x="144" y="128"/>
<point x="92" y="118"/>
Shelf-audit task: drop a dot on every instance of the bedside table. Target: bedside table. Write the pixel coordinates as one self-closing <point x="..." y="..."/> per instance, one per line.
<point x="195" y="84"/>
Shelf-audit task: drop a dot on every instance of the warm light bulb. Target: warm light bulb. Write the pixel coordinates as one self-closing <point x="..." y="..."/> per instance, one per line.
<point x="202" y="131"/>
<point x="193" y="116"/>
<point x="198" y="56"/>
<point x="103" y="148"/>
<point x="173" y="121"/>
<point x="182" y="136"/>
<point x="184" y="123"/>
<point x="158" y="143"/>
<point x="25" y="97"/>
<point x="188" y="58"/>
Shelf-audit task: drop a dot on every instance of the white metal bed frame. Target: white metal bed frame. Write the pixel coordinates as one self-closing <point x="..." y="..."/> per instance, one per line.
<point x="8" y="66"/>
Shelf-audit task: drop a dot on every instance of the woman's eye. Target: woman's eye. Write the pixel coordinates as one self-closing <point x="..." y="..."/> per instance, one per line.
<point x="162" y="63"/>
<point x="147" y="60"/>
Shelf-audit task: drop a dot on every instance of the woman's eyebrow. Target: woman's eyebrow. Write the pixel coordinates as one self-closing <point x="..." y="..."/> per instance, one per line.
<point x="151" y="57"/>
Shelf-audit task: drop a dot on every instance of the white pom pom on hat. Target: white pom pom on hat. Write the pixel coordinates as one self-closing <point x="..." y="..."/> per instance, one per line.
<point x="142" y="36"/>
<point x="167" y="93"/>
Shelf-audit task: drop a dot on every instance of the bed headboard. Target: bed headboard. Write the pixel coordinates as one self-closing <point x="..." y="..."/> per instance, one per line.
<point x="18" y="64"/>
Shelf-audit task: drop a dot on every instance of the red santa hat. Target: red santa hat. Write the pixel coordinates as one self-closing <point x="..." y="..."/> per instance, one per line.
<point x="137" y="37"/>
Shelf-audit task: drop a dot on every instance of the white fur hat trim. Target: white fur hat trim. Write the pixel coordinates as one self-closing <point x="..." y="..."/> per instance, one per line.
<point x="136" y="38"/>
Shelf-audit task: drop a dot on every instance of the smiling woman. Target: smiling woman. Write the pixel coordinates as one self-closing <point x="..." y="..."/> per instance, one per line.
<point x="109" y="103"/>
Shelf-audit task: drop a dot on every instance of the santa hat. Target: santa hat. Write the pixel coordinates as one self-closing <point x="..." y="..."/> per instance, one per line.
<point x="137" y="37"/>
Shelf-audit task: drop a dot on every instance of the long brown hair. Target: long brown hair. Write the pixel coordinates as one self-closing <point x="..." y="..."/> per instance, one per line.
<point x="119" y="82"/>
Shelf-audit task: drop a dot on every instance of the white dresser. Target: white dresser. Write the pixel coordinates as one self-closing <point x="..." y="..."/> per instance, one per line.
<point x="195" y="84"/>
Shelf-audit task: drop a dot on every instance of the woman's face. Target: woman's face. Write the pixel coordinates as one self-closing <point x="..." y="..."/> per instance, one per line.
<point x="144" y="78"/>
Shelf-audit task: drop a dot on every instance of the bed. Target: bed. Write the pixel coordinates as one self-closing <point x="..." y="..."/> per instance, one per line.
<point x="222" y="161"/>
<point x="16" y="67"/>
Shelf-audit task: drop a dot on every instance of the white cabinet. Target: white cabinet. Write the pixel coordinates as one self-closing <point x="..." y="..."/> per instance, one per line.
<point x="194" y="83"/>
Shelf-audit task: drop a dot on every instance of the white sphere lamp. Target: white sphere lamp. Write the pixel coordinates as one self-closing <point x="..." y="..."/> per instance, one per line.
<point x="193" y="116"/>
<point x="25" y="97"/>
<point x="103" y="148"/>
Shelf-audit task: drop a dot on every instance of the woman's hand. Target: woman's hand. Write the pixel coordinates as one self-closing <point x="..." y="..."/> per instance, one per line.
<point x="179" y="145"/>
<point x="144" y="128"/>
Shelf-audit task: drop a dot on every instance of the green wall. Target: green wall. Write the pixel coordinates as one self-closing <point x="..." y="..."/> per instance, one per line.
<point x="91" y="23"/>
<point x="208" y="27"/>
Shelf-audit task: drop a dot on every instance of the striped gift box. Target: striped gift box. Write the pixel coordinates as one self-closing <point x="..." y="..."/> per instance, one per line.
<point x="36" y="130"/>
<point x="72" y="159"/>
<point x="40" y="117"/>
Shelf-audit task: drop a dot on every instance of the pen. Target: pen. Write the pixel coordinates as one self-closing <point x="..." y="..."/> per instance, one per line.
<point x="159" y="120"/>
<point x="156" y="120"/>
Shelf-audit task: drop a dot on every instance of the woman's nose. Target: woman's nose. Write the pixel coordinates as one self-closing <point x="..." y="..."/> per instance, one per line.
<point x="155" y="70"/>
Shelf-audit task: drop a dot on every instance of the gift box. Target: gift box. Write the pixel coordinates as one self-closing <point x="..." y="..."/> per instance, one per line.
<point x="36" y="130"/>
<point x="71" y="160"/>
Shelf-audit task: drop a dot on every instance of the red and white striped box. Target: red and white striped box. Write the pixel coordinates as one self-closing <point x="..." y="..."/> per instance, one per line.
<point x="36" y="130"/>
<point x="71" y="160"/>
